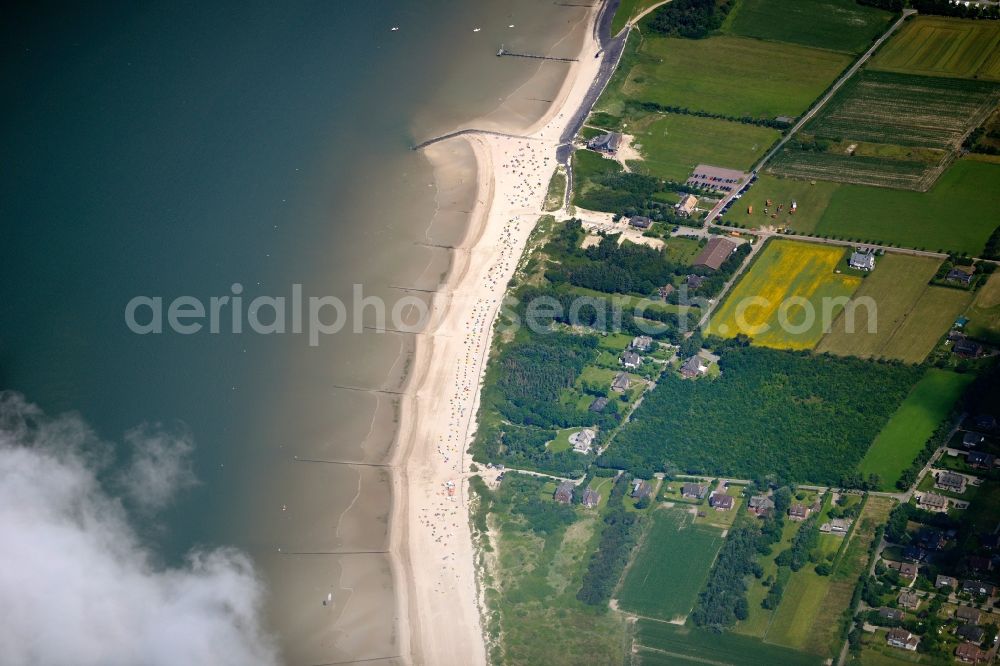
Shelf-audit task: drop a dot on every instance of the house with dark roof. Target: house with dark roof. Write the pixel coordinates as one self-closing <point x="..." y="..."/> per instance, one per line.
<point x="931" y="538"/>
<point x="914" y="553"/>
<point x="978" y="588"/>
<point x="967" y="348"/>
<point x="968" y="614"/>
<point x="902" y="639"/>
<point x="989" y="541"/>
<point x="564" y="493"/>
<point x="620" y="383"/>
<point x="641" y="488"/>
<point x="907" y="570"/>
<point x="971" y="632"/>
<point x="606" y="143"/>
<point x="972" y="439"/>
<point x="862" y="261"/>
<point x="693" y="490"/>
<point x="890" y="614"/>
<point x="720" y="501"/>
<point x="970" y="653"/>
<point x="714" y="253"/>
<point x="960" y="275"/>
<point x="598" y="405"/>
<point x="693" y="367"/>
<point x="760" y="505"/>
<point x="933" y="502"/>
<point x="798" y="512"/>
<point x="950" y="481"/>
<point x="945" y="582"/>
<point x="640" y="222"/>
<point x="980" y="563"/>
<point x="984" y="422"/>
<point x="980" y="460"/>
<point x="591" y="498"/>
<point x="909" y="599"/>
<point x="694" y="281"/>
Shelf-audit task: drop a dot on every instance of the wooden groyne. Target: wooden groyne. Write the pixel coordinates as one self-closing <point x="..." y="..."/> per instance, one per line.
<point x="504" y="52"/>
<point x="450" y="135"/>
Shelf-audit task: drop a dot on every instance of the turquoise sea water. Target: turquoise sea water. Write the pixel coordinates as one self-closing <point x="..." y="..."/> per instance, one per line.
<point x="178" y="148"/>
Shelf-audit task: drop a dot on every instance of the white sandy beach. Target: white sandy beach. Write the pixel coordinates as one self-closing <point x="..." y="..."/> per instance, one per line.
<point x="433" y="554"/>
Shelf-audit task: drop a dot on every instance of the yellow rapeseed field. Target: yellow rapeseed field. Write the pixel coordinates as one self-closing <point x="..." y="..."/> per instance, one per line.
<point x="786" y="281"/>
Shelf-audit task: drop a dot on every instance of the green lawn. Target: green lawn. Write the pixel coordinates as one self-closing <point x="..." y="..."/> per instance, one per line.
<point x="666" y="574"/>
<point x="984" y="313"/>
<point x="811" y="197"/>
<point x="907" y="431"/>
<point x="958" y="214"/>
<point x="685" y="644"/>
<point x="838" y="25"/>
<point x="626" y="10"/>
<point x="800" y="605"/>
<point x="672" y="145"/>
<point x="733" y="76"/>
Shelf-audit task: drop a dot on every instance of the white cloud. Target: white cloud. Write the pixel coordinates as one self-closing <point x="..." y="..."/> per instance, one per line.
<point x="77" y="585"/>
<point x="160" y="466"/>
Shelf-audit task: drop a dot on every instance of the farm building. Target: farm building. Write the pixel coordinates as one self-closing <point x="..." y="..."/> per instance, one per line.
<point x="693" y="490"/>
<point x="720" y="501"/>
<point x="714" y="253"/>
<point x="980" y="460"/>
<point x="641" y="343"/>
<point x="951" y="482"/>
<point x="582" y="440"/>
<point x="862" y="261"/>
<point x="902" y="639"/>
<point x="686" y="206"/>
<point x="620" y="383"/>
<point x="717" y="178"/>
<point x="640" y="222"/>
<point x="606" y="143"/>
<point x="631" y="360"/>
<point x="564" y="493"/>
<point x="591" y="498"/>
<point x="967" y="348"/>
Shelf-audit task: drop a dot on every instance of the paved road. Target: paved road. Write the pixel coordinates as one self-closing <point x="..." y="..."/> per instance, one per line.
<point x="814" y="110"/>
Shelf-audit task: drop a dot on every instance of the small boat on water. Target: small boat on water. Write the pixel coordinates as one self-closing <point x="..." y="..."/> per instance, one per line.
<point x="329" y="599"/>
<point x="395" y="28"/>
<point x="476" y="29"/>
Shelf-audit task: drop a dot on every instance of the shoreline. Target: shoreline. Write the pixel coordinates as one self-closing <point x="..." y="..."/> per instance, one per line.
<point x="439" y="616"/>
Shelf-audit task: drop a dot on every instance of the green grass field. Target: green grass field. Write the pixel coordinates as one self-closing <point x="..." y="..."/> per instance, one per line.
<point x="838" y="25"/>
<point x="626" y="10"/>
<point x="907" y="431"/>
<point x="672" y="145"/>
<point x="967" y="191"/>
<point x="812" y="199"/>
<point x="940" y="46"/>
<point x="784" y="270"/>
<point x="666" y="574"/>
<point x="557" y="190"/>
<point x="984" y="313"/>
<point x="672" y="644"/>
<point x="909" y="316"/>
<point x="734" y="76"/>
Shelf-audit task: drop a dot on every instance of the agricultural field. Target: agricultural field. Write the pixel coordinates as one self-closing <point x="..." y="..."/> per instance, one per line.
<point x="672" y="145"/>
<point x="909" y="316"/>
<point x="784" y="270"/>
<point x="812" y="199"/>
<point x="838" y="25"/>
<point x="984" y="313"/>
<point x="896" y="110"/>
<point x="732" y="76"/>
<point x="940" y="46"/>
<point x="670" y="568"/>
<point x="907" y="431"/>
<point x="967" y="191"/>
<point x="663" y="643"/>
